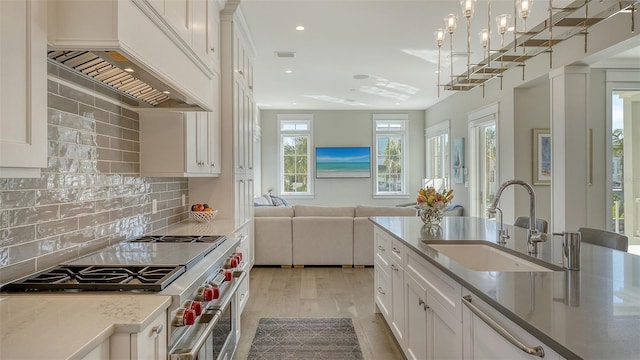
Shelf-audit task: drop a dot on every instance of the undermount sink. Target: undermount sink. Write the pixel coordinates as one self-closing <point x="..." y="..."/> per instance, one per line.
<point x="481" y="257"/>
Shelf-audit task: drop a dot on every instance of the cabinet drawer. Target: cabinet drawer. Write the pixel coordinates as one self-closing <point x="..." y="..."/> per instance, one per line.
<point x="443" y="288"/>
<point x="382" y="246"/>
<point x="397" y="251"/>
<point x="382" y="291"/>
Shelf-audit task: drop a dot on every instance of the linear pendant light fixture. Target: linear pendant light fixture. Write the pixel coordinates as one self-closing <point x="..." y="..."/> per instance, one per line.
<point x="561" y="24"/>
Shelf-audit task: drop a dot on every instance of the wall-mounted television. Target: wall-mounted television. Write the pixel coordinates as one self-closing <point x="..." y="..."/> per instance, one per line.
<point x="343" y="162"/>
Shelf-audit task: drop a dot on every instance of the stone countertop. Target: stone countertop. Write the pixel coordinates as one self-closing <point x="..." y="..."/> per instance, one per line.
<point x="593" y="313"/>
<point x="69" y="326"/>
<point x="189" y="227"/>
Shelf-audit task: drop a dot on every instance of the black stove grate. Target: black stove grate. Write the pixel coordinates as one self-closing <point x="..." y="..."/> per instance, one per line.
<point x="100" y="278"/>
<point x="182" y="239"/>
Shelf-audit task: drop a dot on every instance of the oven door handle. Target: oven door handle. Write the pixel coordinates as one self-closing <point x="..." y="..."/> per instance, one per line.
<point x="238" y="276"/>
<point x="190" y="354"/>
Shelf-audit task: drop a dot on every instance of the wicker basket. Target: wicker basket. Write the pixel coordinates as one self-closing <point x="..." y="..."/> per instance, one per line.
<point x="203" y="216"/>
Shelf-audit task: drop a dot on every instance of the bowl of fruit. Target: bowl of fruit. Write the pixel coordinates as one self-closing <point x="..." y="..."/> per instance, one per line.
<point x="202" y="213"/>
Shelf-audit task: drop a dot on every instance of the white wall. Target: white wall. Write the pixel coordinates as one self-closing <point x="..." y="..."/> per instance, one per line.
<point x="343" y="128"/>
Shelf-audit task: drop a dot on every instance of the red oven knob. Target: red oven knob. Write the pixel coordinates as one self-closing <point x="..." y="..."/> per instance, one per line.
<point x="233" y="263"/>
<point x="196" y="306"/>
<point x="239" y="254"/>
<point x="184" y="317"/>
<point x="189" y="317"/>
<point x="228" y="275"/>
<point x="215" y="293"/>
<point x="238" y="258"/>
<point x="204" y="294"/>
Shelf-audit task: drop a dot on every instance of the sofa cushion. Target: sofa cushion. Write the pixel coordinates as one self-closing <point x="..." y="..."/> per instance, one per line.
<point x="314" y="210"/>
<point x="366" y="211"/>
<point x="273" y="211"/>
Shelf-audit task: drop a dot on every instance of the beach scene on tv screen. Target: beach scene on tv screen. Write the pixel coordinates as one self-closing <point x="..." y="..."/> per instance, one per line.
<point x="343" y="162"/>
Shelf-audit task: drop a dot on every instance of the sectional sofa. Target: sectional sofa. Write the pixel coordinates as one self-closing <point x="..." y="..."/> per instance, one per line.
<point x="318" y="235"/>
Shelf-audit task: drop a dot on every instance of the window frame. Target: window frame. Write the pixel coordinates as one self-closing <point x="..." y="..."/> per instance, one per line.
<point x="403" y="120"/>
<point x="432" y="132"/>
<point x="296" y="118"/>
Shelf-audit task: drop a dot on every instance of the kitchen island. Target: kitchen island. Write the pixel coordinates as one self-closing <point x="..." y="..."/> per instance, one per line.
<point x="593" y="313"/>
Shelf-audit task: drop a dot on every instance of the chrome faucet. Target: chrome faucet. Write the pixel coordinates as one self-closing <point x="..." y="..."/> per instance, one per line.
<point x="503" y="234"/>
<point x="533" y="235"/>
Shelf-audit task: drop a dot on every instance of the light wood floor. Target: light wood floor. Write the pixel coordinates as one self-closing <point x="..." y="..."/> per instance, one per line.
<point x="318" y="292"/>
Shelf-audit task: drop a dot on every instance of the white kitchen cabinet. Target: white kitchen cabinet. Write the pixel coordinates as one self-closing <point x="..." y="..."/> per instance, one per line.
<point x="432" y="331"/>
<point x="179" y="144"/>
<point x="389" y="287"/>
<point x="424" y="304"/>
<point x="23" y="88"/>
<point x="481" y="341"/>
<point x="397" y="297"/>
<point x="382" y="291"/>
<point x="148" y="344"/>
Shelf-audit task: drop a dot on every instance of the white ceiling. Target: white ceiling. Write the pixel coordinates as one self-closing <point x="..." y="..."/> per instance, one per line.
<point x="390" y="42"/>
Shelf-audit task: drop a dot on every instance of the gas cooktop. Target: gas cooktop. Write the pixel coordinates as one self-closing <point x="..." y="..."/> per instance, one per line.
<point x="149" y="263"/>
<point x="100" y="278"/>
<point x="181" y="239"/>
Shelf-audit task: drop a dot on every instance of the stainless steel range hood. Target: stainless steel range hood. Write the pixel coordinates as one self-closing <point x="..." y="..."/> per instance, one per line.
<point x="114" y="71"/>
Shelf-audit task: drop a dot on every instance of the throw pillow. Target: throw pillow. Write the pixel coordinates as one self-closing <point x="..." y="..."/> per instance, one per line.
<point x="278" y="201"/>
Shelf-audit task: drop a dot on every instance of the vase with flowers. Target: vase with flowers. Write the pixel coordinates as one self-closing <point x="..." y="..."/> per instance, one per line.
<point x="431" y="202"/>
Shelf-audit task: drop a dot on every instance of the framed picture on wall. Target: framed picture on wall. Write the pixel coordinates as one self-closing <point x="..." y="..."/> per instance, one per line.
<point x="541" y="157"/>
<point x="343" y="162"/>
<point x="458" y="161"/>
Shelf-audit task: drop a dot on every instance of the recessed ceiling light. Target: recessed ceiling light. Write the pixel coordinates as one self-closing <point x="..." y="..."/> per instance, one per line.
<point x="288" y="71"/>
<point x="361" y="76"/>
<point x="129" y="70"/>
<point x="294" y="103"/>
<point x="397" y="103"/>
<point x="299" y="27"/>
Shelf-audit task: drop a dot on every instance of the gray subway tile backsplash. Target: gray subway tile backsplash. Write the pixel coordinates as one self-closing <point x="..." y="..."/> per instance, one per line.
<point x="91" y="193"/>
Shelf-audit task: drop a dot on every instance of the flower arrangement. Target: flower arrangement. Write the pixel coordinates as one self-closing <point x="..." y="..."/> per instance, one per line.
<point x="429" y="198"/>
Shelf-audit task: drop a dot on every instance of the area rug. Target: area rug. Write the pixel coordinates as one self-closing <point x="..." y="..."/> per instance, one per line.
<point x="305" y="338"/>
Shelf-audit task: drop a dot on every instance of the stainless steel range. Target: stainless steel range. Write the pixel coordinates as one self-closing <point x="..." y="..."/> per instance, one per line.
<point x="200" y="273"/>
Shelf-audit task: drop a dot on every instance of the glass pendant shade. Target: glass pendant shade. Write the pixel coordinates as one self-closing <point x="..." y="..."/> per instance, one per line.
<point x="484" y="37"/>
<point x="439" y="36"/>
<point x="503" y="22"/>
<point x="450" y="22"/>
<point x="467" y="7"/>
<point x="524" y="8"/>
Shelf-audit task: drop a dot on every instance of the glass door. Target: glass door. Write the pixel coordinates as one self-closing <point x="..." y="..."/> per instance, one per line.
<point x="625" y="167"/>
<point x="484" y="165"/>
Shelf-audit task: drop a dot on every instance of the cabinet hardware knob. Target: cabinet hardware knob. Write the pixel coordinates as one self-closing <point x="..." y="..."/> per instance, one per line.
<point x="157" y="329"/>
<point x="380" y="248"/>
<point x="394" y="268"/>
<point x="381" y="291"/>
<point x="395" y="250"/>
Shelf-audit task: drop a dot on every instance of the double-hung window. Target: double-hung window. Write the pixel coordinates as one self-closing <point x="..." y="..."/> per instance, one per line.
<point x="391" y="159"/>
<point x="437" y="155"/>
<point x="295" y="158"/>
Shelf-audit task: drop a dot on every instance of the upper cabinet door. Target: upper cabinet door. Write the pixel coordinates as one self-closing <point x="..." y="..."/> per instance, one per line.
<point x="23" y="88"/>
<point x="178" y="13"/>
